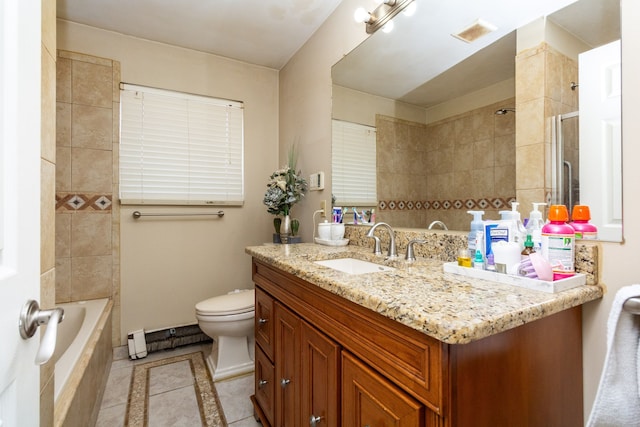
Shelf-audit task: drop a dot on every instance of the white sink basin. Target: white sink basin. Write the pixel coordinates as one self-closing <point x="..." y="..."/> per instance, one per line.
<point x="354" y="266"/>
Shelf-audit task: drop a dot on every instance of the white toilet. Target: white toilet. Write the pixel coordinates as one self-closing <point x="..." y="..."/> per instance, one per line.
<point x="228" y="319"/>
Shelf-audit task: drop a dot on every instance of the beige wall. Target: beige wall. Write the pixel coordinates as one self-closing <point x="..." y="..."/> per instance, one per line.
<point x="307" y="77"/>
<point x="168" y="265"/>
<point x="47" y="194"/>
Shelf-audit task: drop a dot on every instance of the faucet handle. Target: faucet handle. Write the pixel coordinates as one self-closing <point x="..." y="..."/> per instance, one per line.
<point x="410" y="256"/>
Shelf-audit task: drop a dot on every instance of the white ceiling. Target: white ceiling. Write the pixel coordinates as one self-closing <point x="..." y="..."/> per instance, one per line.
<point x="263" y="32"/>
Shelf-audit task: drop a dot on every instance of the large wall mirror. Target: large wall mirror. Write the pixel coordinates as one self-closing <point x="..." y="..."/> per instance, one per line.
<point x="448" y="135"/>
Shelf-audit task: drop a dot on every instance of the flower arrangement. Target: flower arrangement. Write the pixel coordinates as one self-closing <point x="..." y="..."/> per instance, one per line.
<point x="285" y="188"/>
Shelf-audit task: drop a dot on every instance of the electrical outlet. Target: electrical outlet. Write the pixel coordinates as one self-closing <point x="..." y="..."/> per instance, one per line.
<point x="323" y="208"/>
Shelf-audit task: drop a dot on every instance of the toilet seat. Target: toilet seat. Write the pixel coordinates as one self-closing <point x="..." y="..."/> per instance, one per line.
<point x="236" y="302"/>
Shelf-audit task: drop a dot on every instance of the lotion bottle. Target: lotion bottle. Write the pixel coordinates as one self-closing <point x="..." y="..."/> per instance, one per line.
<point x="476" y="225"/>
<point x="534" y="226"/>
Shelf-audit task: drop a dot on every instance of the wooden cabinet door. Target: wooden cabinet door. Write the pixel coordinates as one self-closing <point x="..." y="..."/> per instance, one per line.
<point x="264" y="324"/>
<point x="368" y="399"/>
<point x="320" y="375"/>
<point x="265" y="385"/>
<point x="287" y="364"/>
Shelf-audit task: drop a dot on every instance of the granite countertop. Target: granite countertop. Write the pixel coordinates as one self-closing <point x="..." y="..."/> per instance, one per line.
<point x="448" y="307"/>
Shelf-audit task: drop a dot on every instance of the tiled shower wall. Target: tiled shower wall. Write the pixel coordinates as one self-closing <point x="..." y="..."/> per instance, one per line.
<point x="87" y="219"/>
<point x="441" y="170"/>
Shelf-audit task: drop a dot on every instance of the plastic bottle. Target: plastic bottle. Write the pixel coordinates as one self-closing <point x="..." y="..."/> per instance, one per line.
<point x="580" y="222"/>
<point x="491" y="265"/>
<point x="476" y="225"/>
<point x="478" y="261"/>
<point x="534" y="226"/>
<point x="558" y="242"/>
<point x="528" y="247"/>
<point x="519" y="233"/>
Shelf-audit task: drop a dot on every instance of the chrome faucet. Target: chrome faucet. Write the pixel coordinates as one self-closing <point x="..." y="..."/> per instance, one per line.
<point x="410" y="257"/>
<point x="392" y="240"/>
<point x="440" y="223"/>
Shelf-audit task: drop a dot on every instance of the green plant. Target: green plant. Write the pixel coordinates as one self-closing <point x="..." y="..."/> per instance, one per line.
<point x="285" y="187"/>
<point x="276" y="224"/>
<point x="295" y="225"/>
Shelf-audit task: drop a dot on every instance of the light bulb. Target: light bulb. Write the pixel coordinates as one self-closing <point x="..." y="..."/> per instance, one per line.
<point x="388" y="27"/>
<point x="410" y="9"/>
<point x="361" y="15"/>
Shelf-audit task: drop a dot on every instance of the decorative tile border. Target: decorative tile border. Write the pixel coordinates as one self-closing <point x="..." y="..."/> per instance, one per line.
<point x="83" y="202"/>
<point x="464" y="204"/>
<point x="208" y="401"/>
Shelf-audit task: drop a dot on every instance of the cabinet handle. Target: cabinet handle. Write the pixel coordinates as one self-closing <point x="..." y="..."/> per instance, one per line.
<point x="313" y="421"/>
<point x="262" y="383"/>
<point x="262" y="321"/>
<point x="284" y="382"/>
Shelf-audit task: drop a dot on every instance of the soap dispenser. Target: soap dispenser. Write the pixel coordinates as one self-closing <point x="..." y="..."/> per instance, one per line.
<point x="519" y="232"/>
<point x="534" y="226"/>
<point x="476" y="225"/>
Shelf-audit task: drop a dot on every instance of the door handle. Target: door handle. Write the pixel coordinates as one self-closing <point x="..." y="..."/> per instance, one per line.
<point x="314" y="420"/>
<point x="30" y="318"/>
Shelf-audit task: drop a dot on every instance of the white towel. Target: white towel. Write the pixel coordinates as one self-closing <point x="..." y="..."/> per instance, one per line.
<point x="618" y="398"/>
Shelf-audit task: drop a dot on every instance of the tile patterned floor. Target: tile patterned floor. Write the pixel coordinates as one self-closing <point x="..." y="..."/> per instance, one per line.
<point x="170" y="388"/>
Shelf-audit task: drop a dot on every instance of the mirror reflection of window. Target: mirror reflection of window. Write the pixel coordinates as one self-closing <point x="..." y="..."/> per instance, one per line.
<point x="353" y="163"/>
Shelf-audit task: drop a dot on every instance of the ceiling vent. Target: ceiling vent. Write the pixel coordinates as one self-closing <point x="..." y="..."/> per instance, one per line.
<point x="474" y="31"/>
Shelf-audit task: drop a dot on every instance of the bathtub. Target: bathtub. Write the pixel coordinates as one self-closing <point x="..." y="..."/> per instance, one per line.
<point x="82" y="359"/>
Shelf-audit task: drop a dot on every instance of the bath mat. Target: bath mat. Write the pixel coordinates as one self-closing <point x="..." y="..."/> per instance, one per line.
<point x="210" y="409"/>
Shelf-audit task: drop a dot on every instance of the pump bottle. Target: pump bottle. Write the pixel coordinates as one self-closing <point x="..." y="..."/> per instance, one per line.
<point x="534" y="226"/>
<point x="476" y="225"/>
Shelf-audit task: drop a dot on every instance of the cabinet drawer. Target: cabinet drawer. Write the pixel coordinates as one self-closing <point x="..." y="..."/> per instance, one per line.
<point x="369" y="399"/>
<point x="264" y="323"/>
<point x="265" y="385"/>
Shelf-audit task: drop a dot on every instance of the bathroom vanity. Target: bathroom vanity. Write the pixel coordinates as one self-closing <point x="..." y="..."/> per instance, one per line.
<point x="410" y="346"/>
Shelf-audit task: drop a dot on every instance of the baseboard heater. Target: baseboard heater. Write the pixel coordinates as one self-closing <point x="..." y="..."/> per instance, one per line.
<point x="143" y="342"/>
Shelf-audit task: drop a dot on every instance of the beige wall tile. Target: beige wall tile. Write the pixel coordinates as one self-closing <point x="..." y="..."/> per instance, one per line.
<point x="48" y="107"/>
<point x="63" y="124"/>
<point x="63" y="169"/>
<point x="92" y="127"/>
<point x="91" y="277"/>
<point x="63" y="235"/>
<point x="530" y="77"/>
<point x="47" y="215"/>
<point x="49" y="26"/>
<point x="63" y="80"/>
<point x="463" y="155"/>
<point x="63" y="280"/>
<point x="530" y="122"/>
<point x="505" y="181"/>
<point x="482" y="185"/>
<point x="505" y="153"/>
<point x="92" y="84"/>
<point x="483" y="154"/>
<point x="90" y="234"/>
<point x="91" y="170"/>
<point x="530" y="157"/>
<point x="553" y="75"/>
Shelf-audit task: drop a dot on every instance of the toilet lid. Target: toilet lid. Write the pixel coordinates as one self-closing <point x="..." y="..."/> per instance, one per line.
<point x="235" y="302"/>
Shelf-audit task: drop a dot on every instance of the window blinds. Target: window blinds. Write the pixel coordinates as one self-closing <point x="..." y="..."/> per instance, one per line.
<point x="353" y="163"/>
<point x="178" y="148"/>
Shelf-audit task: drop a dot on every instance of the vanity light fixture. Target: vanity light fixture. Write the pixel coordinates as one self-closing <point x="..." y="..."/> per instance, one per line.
<point x="474" y="31"/>
<point x="382" y="15"/>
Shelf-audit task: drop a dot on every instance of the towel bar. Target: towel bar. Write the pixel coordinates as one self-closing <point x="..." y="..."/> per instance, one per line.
<point x="138" y="214"/>
<point x="632" y="305"/>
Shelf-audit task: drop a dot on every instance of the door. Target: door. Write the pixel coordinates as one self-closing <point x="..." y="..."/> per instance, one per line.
<point x="287" y="363"/>
<point x="601" y="138"/>
<point x="320" y="371"/>
<point x="19" y="206"/>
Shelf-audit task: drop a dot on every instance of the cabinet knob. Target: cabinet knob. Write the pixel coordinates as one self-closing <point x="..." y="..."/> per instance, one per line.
<point x="284" y="382"/>
<point x="313" y="421"/>
<point x="262" y="321"/>
<point x="262" y="383"/>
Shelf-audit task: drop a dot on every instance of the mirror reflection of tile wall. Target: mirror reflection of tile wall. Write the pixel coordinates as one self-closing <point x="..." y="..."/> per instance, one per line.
<point x="441" y="170"/>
